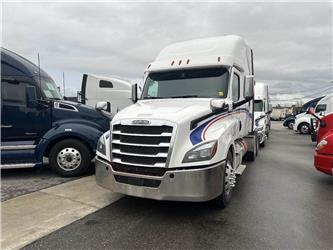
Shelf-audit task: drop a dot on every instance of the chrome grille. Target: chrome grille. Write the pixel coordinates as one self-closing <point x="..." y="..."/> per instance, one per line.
<point x="140" y="146"/>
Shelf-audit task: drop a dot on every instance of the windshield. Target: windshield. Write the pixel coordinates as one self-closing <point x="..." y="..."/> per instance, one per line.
<point x="258" y="105"/>
<point x="201" y="83"/>
<point x="49" y="88"/>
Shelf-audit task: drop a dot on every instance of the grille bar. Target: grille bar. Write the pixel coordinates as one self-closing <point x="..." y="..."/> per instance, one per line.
<point x="162" y="144"/>
<point x="158" y="155"/>
<point x="118" y="160"/>
<point x="150" y="135"/>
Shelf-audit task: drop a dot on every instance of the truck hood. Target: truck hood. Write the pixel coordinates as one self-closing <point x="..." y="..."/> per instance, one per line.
<point x="173" y="110"/>
<point x="77" y="112"/>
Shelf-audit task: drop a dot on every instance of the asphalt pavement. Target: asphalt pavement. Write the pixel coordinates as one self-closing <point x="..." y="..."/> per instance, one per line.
<point x="280" y="201"/>
<point x="17" y="182"/>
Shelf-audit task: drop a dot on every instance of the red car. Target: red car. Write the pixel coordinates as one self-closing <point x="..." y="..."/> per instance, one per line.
<point x="323" y="159"/>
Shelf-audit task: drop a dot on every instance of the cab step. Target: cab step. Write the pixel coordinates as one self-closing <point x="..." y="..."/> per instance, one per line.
<point x="240" y="170"/>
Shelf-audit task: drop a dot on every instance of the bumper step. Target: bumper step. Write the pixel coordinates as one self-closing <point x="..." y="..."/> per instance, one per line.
<point x="240" y="170"/>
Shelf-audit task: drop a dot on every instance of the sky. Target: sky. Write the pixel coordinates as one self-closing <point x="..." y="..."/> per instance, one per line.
<point x="292" y="42"/>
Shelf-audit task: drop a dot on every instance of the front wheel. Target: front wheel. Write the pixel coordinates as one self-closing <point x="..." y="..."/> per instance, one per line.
<point x="69" y="158"/>
<point x="304" y="128"/>
<point x="228" y="182"/>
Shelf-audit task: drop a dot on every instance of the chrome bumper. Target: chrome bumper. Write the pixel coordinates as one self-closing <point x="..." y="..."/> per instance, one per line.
<point x="200" y="184"/>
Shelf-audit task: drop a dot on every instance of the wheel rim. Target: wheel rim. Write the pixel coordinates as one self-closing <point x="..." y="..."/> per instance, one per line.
<point x="230" y="178"/>
<point x="69" y="159"/>
<point x="304" y="129"/>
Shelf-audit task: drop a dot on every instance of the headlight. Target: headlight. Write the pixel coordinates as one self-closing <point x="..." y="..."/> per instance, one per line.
<point x="203" y="152"/>
<point x="101" y="145"/>
<point x="321" y="144"/>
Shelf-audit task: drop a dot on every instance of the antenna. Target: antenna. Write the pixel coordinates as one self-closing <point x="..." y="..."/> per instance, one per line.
<point x="63" y="83"/>
<point x="40" y="80"/>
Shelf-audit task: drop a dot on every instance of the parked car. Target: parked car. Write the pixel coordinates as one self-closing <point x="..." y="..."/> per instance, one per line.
<point x="186" y="136"/>
<point x="289" y="122"/>
<point x="303" y="120"/>
<point x="37" y="123"/>
<point x="323" y="159"/>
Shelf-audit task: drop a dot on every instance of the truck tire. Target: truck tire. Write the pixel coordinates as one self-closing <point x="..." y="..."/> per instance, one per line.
<point x="223" y="199"/>
<point x="304" y="128"/>
<point x="69" y="158"/>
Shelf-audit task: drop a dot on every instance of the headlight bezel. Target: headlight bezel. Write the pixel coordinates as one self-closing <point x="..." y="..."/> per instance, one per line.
<point x="203" y="152"/>
<point x="101" y="145"/>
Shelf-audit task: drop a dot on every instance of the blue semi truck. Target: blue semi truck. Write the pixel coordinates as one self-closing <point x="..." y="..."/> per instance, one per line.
<point x="36" y="123"/>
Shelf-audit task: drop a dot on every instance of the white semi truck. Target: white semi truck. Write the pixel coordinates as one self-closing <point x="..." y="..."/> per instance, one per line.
<point x="262" y="111"/>
<point x="113" y="89"/>
<point x="185" y="138"/>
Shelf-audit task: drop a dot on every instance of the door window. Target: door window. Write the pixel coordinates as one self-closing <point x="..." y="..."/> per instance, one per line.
<point x="321" y="108"/>
<point x="105" y="84"/>
<point x="235" y="87"/>
<point x="13" y="91"/>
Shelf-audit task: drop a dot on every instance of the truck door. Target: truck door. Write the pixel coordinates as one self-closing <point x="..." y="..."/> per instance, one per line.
<point x="19" y="122"/>
<point x="237" y="95"/>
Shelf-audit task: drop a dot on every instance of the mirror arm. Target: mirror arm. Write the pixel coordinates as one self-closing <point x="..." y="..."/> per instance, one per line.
<point x="240" y="103"/>
<point x="315" y="116"/>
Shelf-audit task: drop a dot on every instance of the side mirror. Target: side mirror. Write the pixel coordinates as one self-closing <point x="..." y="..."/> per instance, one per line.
<point x="217" y="105"/>
<point x="31" y="96"/>
<point x="134" y="93"/>
<point x="103" y="106"/>
<point x="249" y="87"/>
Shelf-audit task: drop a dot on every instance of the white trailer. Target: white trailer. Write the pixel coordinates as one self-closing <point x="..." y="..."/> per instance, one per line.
<point x="185" y="138"/>
<point x="115" y="90"/>
<point x="262" y="111"/>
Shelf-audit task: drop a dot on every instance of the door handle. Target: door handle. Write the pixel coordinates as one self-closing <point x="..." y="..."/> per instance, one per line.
<point x="6" y="126"/>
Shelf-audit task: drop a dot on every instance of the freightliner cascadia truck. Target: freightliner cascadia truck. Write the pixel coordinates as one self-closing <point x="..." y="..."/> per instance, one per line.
<point x="185" y="137"/>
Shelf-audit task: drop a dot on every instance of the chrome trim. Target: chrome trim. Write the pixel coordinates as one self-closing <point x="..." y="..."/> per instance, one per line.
<point x="6" y="126"/>
<point x="117" y="151"/>
<point x="19" y="165"/>
<point x="17" y="147"/>
<point x="57" y="104"/>
<point x="163" y="144"/>
<point x="157" y="165"/>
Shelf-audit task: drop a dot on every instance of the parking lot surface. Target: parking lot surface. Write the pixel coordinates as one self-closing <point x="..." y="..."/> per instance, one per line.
<point x="281" y="201"/>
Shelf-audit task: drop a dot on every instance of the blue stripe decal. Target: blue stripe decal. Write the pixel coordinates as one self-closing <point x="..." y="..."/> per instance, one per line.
<point x="196" y="135"/>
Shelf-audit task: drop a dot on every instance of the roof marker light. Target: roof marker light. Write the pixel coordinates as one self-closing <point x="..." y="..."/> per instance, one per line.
<point x="188" y="61"/>
<point x="219" y="59"/>
<point x="172" y="63"/>
<point x="148" y="66"/>
<point x="180" y="61"/>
